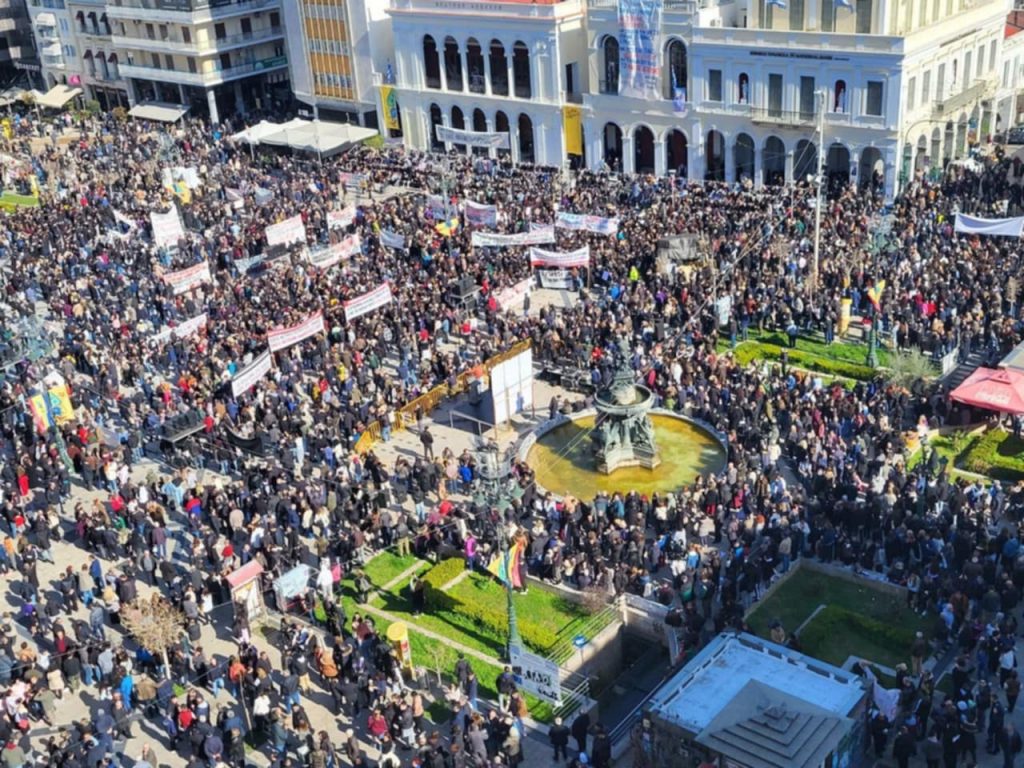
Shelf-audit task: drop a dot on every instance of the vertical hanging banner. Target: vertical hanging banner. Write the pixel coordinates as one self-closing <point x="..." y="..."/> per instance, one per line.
<point x="389" y="102"/>
<point x="639" y="46"/>
<point x="572" y="126"/>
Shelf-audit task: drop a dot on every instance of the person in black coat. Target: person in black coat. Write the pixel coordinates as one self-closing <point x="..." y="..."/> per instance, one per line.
<point x="580" y="730"/>
<point x="559" y="736"/>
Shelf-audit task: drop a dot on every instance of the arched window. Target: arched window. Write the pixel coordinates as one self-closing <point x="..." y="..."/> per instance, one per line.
<point x="80" y="18"/>
<point x="431" y="63"/>
<point x="610" y="83"/>
<point x="452" y="64"/>
<point x="501" y="126"/>
<point x="435" y="120"/>
<point x="106" y="23"/>
<point x="479" y="126"/>
<point x="521" y="74"/>
<point x="675" y="69"/>
<point x="90" y="63"/>
<point x="499" y="69"/>
<point x="839" y="96"/>
<point x="458" y="123"/>
<point x="475" y="66"/>
<point x="743" y="92"/>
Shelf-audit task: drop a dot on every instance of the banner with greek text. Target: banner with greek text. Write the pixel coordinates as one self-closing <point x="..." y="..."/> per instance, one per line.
<point x="541" y="236"/>
<point x="327" y="257"/>
<point x="342" y="218"/>
<point x="556" y="279"/>
<point x="282" y="338"/>
<point x="286" y="232"/>
<point x="392" y="240"/>
<point x="187" y="279"/>
<point x="390" y="104"/>
<point x="512" y="298"/>
<point x="166" y="227"/>
<point x="367" y="302"/>
<point x="252" y="373"/>
<point x="190" y="326"/>
<point x="581" y="223"/>
<point x="639" y="48"/>
<point x="572" y="128"/>
<point x="537" y="675"/>
<point x="481" y="215"/>
<point x="578" y="258"/>
<point x="488" y="139"/>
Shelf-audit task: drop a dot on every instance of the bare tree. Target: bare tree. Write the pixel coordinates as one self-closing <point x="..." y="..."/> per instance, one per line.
<point x="156" y="624"/>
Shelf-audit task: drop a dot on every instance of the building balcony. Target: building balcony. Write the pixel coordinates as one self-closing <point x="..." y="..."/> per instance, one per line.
<point x="983" y="88"/>
<point x="207" y="78"/>
<point x="783" y="117"/>
<point x="174" y="42"/>
<point x="185" y="11"/>
<point x="720" y="108"/>
<point x="531" y="9"/>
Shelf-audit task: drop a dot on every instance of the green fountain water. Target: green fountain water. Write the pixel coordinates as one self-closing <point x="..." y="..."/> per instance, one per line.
<point x="564" y="461"/>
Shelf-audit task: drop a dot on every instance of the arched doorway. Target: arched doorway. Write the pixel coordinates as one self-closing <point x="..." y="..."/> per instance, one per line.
<point x="773" y="161"/>
<point x="526" y="139"/>
<point x="871" y="170"/>
<point x="949" y="142"/>
<point x="921" y="154"/>
<point x="459" y="124"/>
<point x="837" y="167"/>
<point x="643" y="150"/>
<point x="521" y="70"/>
<point x="610" y="81"/>
<point x="675" y="151"/>
<point x="501" y="126"/>
<point x="435" y="120"/>
<point x="674" y="75"/>
<point x="936" y="149"/>
<point x="499" y="69"/>
<point x="613" y="146"/>
<point x="475" y="66"/>
<point x="743" y="154"/>
<point x="714" y="150"/>
<point x="431" y="63"/>
<point x="805" y="161"/>
<point x="961" y="138"/>
<point x="479" y="126"/>
<point x="452" y="64"/>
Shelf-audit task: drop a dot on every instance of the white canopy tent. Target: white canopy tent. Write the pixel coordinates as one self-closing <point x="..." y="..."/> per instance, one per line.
<point x="306" y="135"/>
<point x="159" y="111"/>
<point x="58" y="96"/>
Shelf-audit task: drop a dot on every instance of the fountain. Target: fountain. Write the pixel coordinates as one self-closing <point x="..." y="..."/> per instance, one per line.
<point x="624" y="436"/>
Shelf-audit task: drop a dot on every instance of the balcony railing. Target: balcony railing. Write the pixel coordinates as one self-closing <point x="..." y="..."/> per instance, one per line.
<point x="208" y="77"/>
<point x="781" y="116"/>
<point x="175" y="40"/>
<point x="212" y="8"/>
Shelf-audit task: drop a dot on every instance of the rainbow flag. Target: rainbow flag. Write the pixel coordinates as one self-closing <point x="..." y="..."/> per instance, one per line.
<point x="502" y="566"/>
<point x="447" y="228"/>
<point x="875" y="293"/>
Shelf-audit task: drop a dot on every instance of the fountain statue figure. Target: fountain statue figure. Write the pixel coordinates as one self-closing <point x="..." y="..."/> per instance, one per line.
<point x="624" y="436"/>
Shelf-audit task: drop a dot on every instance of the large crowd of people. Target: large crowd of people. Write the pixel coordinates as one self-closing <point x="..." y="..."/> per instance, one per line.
<point x="813" y="469"/>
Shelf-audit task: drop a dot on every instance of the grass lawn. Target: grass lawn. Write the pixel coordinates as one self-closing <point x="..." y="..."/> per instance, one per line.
<point x="10" y="200"/>
<point x="386" y="565"/>
<point x="859" y="620"/>
<point x="836" y="359"/>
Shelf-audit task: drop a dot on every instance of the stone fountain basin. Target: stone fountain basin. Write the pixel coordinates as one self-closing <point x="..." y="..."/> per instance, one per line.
<point x="643" y="401"/>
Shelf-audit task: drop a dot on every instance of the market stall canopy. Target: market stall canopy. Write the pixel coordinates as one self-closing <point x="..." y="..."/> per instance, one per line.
<point x="1014" y="359"/>
<point x="994" y="389"/>
<point x="160" y="111"/>
<point x="306" y="135"/>
<point x="11" y="95"/>
<point x="58" y="96"/>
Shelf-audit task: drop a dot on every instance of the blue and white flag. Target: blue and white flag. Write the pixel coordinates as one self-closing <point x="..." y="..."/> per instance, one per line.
<point x="848" y="4"/>
<point x="678" y="96"/>
<point x="778" y="3"/>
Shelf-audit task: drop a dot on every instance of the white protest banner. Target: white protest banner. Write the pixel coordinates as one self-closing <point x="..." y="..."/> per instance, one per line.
<point x="166" y="227"/>
<point x="327" y="257"/>
<point x="190" y="326"/>
<point x="490" y="139"/>
<point x="286" y="232"/>
<point x="368" y="302"/>
<point x="540" y="236"/>
<point x="556" y="279"/>
<point x="537" y="675"/>
<point x="392" y="240"/>
<point x="578" y="222"/>
<point x="342" y="218"/>
<point x="252" y="373"/>
<point x="975" y="226"/>
<point x="565" y="260"/>
<point x="481" y="215"/>
<point x="282" y="338"/>
<point x="263" y="196"/>
<point x="353" y="179"/>
<point x="513" y="296"/>
<point x="187" y="279"/>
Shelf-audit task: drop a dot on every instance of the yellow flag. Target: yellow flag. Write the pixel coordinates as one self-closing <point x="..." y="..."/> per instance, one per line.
<point x="389" y="102"/>
<point x="572" y="125"/>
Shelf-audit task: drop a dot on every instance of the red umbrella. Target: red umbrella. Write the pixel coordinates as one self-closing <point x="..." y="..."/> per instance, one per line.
<point x="996" y="390"/>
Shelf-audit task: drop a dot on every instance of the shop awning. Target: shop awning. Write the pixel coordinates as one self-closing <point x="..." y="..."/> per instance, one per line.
<point x="159" y="111"/>
<point x="58" y="96"/>
<point x="306" y="135"/>
<point x="999" y="390"/>
<point x="254" y="134"/>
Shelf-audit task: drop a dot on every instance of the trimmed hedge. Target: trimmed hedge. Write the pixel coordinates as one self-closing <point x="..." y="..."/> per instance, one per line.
<point x="833" y="621"/>
<point x="756" y="350"/>
<point x="997" y="454"/>
<point x="491" y="616"/>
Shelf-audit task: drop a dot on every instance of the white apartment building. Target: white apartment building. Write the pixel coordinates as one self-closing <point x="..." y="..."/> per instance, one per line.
<point x="489" y="67"/>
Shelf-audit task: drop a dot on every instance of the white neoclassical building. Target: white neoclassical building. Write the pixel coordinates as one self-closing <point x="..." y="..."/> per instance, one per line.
<point x="489" y="67"/>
